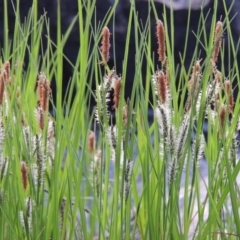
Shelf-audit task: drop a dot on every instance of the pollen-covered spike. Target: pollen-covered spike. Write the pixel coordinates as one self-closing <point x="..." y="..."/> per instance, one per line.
<point x="102" y="104"/>
<point x="51" y="142"/>
<point x="173" y="170"/>
<point x="182" y="136"/>
<point x="163" y="119"/>
<point x="108" y="79"/>
<point x="127" y="178"/>
<point x="25" y="216"/>
<point x="21" y="219"/>
<point x="113" y="137"/>
<point x="40" y="160"/>
<point x="29" y="206"/>
<point x="171" y="139"/>
<point x="198" y="150"/>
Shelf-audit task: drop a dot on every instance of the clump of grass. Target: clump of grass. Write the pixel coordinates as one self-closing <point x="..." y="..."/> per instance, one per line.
<point x="122" y="179"/>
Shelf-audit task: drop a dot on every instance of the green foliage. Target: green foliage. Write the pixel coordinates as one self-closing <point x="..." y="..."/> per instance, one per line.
<point x="122" y="180"/>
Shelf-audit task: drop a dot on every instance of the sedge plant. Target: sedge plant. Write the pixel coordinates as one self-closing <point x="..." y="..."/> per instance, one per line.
<point x="70" y="172"/>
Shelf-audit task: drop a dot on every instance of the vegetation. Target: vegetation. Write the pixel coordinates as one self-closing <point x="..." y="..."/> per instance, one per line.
<point x="109" y="173"/>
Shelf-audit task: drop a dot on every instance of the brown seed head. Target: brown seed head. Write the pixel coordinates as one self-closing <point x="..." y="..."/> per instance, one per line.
<point x="193" y="84"/>
<point x="162" y="86"/>
<point x="105" y="45"/>
<point x="217" y="40"/>
<point x="229" y="94"/>
<point x="222" y="119"/>
<point x="195" y="76"/>
<point x="161" y="41"/>
<point x="24" y="172"/>
<point x="117" y="91"/>
<point x="44" y="91"/>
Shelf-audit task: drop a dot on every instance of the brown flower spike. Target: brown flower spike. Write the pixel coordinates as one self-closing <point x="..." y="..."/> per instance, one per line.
<point x="222" y="119"/>
<point x="217" y="41"/>
<point x="162" y="86"/>
<point x="44" y="91"/>
<point x="161" y="41"/>
<point x="4" y="79"/>
<point x="193" y="84"/>
<point x="229" y="95"/>
<point x="105" y="45"/>
<point x="117" y="91"/>
<point x="24" y="172"/>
